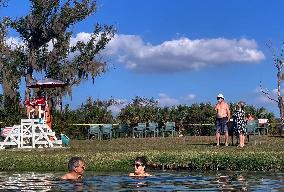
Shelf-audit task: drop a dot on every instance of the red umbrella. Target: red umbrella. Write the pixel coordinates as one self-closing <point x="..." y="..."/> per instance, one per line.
<point x="46" y="83"/>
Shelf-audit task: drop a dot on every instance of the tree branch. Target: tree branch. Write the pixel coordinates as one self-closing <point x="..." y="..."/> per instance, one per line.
<point x="266" y="93"/>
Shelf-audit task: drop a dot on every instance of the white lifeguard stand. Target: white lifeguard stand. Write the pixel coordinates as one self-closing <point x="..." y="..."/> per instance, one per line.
<point x="32" y="133"/>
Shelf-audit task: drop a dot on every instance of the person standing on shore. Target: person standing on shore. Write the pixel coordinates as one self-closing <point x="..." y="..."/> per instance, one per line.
<point x="222" y="117"/>
<point x="240" y="123"/>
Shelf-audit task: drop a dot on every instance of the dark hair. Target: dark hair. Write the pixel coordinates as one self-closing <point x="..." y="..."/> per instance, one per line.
<point x="241" y="104"/>
<point x="74" y="162"/>
<point x="142" y="159"/>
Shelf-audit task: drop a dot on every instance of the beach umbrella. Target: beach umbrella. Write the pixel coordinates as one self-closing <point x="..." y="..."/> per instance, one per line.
<point x="47" y="83"/>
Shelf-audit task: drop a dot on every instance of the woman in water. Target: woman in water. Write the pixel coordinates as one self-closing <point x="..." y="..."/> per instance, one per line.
<point x="140" y="167"/>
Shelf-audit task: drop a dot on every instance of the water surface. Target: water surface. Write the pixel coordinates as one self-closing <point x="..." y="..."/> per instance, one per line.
<point x="161" y="181"/>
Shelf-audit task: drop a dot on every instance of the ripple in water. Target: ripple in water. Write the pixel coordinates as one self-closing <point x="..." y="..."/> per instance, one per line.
<point x="161" y="181"/>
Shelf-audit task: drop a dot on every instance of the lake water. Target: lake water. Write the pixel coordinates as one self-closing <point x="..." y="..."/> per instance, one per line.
<point x="161" y="181"/>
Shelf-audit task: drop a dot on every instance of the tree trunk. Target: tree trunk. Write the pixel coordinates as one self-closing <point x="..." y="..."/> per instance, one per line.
<point x="280" y="99"/>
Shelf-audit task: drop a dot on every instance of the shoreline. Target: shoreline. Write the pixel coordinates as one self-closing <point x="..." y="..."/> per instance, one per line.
<point x="198" y="153"/>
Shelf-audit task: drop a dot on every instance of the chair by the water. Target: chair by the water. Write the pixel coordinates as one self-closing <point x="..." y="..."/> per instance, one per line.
<point x="170" y="127"/>
<point x="107" y="131"/>
<point x="139" y="130"/>
<point x="65" y="139"/>
<point x="122" y="129"/>
<point x="152" y="128"/>
<point x="94" y="132"/>
<point x="252" y="128"/>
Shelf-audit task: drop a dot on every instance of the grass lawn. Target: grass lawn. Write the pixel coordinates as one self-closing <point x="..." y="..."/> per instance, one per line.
<point x="262" y="153"/>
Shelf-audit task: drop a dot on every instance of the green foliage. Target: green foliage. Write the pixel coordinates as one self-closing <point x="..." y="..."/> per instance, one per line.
<point x="189" y="153"/>
<point x="11" y="111"/>
<point x="147" y="110"/>
<point x="50" y="23"/>
<point x="189" y="120"/>
<point x="140" y="110"/>
<point x="91" y="112"/>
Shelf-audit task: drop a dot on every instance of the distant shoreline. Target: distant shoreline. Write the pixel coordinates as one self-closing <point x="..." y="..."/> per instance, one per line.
<point x="263" y="153"/>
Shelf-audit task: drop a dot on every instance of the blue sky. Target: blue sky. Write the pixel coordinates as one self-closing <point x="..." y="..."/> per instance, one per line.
<point x="183" y="51"/>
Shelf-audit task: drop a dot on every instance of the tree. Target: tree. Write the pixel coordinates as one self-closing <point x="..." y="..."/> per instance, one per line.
<point x="278" y="62"/>
<point x="140" y="110"/>
<point x="9" y="78"/>
<point x="49" y="24"/>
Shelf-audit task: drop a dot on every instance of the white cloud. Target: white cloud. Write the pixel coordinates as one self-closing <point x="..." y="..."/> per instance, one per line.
<point x="189" y="97"/>
<point x="82" y="36"/>
<point x="165" y="100"/>
<point x="181" y="54"/>
<point x="176" y="55"/>
<point x="115" y="109"/>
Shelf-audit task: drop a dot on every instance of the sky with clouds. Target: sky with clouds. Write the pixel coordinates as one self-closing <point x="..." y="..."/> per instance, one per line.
<point x="183" y="51"/>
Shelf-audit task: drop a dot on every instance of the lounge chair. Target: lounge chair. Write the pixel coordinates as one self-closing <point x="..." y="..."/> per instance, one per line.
<point x="107" y="131"/>
<point x="139" y="130"/>
<point x="170" y="127"/>
<point x="152" y="128"/>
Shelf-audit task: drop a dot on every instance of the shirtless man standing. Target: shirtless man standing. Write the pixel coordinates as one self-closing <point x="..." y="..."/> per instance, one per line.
<point x="222" y="117"/>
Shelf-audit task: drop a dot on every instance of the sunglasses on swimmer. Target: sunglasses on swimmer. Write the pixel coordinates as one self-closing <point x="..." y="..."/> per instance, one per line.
<point x="137" y="165"/>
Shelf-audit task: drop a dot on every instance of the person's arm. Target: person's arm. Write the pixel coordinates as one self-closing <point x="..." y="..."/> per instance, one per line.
<point x="216" y="109"/>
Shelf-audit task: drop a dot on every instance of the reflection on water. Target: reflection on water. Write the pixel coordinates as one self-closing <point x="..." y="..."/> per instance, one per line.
<point x="25" y="181"/>
<point x="161" y="181"/>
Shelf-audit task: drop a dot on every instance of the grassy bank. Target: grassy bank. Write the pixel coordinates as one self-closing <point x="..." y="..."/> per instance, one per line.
<point x="193" y="153"/>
